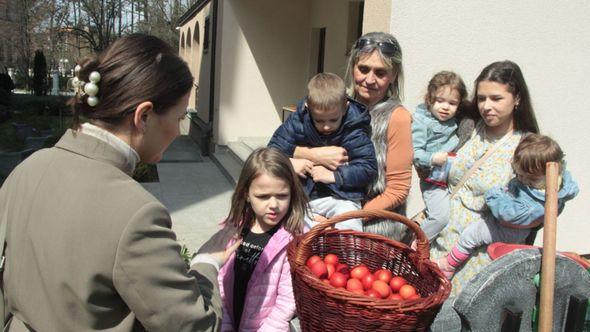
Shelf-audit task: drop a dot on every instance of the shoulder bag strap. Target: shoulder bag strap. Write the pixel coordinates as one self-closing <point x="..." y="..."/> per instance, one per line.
<point x="2" y="262"/>
<point x="3" y="223"/>
<point x="418" y="217"/>
<point x="478" y="163"/>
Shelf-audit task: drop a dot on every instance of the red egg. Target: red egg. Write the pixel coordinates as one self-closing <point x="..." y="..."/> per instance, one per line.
<point x="353" y="284"/>
<point x="331" y="269"/>
<point x="343" y="268"/>
<point x="367" y="281"/>
<point x="396" y="283"/>
<point x="359" y="272"/>
<point x="312" y="260"/>
<point x="331" y="259"/>
<point x="407" y="291"/>
<point x="373" y="293"/>
<point x="382" y="287"/>
<point x="383" y="275"/>
<point x="358" y="291"/>
<point x="319" y="269"/>
<point x="338" y="280"/>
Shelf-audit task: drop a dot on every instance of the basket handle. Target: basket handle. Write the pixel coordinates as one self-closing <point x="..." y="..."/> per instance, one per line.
<point x="422" y="247"/>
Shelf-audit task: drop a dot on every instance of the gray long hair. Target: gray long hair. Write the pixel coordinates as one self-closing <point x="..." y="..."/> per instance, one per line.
<point x="380" y="114"/>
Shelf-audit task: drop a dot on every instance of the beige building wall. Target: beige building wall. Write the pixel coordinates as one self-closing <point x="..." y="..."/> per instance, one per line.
<point x="263" y="65"/>
<point x="193" y="48"/>
<point x="267" y="59"/>
<point x="550" y="42"/>
<point x="332" y="15"/>
<point x="377" y="15"/>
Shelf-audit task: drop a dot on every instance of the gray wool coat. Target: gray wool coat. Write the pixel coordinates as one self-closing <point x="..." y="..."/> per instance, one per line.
<point x="89" y="249"/>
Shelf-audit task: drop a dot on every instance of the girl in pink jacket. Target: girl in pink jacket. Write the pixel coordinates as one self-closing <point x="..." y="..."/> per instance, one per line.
<point x="267" y="208"/>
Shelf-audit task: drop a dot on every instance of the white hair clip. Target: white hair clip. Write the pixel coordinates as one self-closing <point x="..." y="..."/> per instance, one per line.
<point x="91" y="88"/>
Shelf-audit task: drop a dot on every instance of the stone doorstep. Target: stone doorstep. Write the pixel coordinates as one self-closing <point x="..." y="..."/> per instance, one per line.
<point x="228" y="163"/>
<point x="231" y="158"/>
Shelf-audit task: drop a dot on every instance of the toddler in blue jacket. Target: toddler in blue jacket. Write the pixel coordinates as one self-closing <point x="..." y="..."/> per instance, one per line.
<point x="518" y="207"/>
<point x="326" y="117"/>
<point x="434" y="135"/>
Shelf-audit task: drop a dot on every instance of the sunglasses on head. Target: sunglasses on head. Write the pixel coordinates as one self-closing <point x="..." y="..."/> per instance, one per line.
<point x="387" y="48"/>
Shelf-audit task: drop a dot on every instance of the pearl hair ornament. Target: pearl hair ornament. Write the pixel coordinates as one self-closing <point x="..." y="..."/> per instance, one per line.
<point x="83" y="88"/>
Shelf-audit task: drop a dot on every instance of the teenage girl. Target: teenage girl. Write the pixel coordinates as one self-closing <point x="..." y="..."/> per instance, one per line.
<point x="518" y="207"/>
<point x="268" y="207"/>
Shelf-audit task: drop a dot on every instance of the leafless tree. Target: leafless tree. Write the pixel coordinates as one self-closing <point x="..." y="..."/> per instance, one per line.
<point x="89" y="26"/>
<point x="27" y="12"/>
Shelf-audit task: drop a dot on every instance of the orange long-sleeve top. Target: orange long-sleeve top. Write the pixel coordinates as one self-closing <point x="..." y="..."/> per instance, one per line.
<point x="398" y="169"/>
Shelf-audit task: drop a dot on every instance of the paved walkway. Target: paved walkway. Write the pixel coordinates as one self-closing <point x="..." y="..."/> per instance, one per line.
<point x="194" y="190"/>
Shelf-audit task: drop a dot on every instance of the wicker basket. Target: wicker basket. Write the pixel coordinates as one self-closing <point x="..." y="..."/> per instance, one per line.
<point x="321" y="307"/>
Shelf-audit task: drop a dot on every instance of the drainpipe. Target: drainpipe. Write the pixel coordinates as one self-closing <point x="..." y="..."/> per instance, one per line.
<point x="213" y="46"/>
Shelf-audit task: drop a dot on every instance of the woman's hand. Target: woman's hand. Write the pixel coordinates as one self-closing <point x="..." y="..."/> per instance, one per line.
<point x="439" y="158"/>
<point x="328" y="156"/>
<point x="302" y="167"/>
<point x="216" y="245"/>
<point x="319" y="218"/>
<point x="322" y="174"/>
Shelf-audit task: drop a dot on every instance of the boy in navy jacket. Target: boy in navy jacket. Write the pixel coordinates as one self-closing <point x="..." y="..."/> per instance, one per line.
<point x="328" y="118"/>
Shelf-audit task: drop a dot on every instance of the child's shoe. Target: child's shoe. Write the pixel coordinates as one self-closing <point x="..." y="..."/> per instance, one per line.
<point x="446" y="268"/>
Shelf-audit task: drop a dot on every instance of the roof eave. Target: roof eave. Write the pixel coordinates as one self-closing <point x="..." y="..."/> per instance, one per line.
<point x="191" y="12"/>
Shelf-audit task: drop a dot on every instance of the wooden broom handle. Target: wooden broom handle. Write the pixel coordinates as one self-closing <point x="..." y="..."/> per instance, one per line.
<point x="548" y="258"/>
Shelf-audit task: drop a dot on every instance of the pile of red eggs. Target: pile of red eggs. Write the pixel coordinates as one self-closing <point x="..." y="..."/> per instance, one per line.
<point x="380" y="284"/>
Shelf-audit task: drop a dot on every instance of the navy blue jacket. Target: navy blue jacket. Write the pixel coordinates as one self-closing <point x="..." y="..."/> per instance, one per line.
<point x="352" y="179"/>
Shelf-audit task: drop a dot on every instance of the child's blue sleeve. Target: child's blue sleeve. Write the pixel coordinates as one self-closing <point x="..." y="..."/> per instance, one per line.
<point x="362" y="163"/>
<point x="285" y="137"/>
<point x="513" y="210"/>
<point x="419" y="141"/>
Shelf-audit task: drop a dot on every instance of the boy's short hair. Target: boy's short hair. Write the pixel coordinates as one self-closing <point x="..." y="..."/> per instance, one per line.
<point x="533" y="153"/>
<point x="326" y="91"/>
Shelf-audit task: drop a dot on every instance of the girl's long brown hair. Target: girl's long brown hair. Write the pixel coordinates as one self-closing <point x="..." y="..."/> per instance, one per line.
<point x="272" y="162"/>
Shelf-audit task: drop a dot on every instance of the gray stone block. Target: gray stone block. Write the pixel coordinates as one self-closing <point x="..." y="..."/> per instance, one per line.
<point x="447" y="319"/>
<point x="508" y="281"/>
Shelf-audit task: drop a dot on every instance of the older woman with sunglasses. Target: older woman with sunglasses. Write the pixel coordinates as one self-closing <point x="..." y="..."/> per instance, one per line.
<point x="374" y="77"/>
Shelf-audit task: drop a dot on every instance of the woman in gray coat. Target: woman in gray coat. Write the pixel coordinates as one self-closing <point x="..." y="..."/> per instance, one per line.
<point x="87" y="248"/>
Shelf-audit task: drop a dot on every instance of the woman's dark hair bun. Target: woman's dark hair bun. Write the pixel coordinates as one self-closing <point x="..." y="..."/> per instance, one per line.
<point x="133" y="69"/>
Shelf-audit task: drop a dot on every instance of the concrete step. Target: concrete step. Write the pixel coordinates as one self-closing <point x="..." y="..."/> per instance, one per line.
<point x="255" y="142"/>
<point x="182" y="149"/>
<point x="239" y="150"/>
<point x="231" y="158"/>
<point x="228" y="163"/>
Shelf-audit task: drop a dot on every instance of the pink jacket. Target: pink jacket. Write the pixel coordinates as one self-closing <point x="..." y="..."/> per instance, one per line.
<point x="269" y="304"/>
